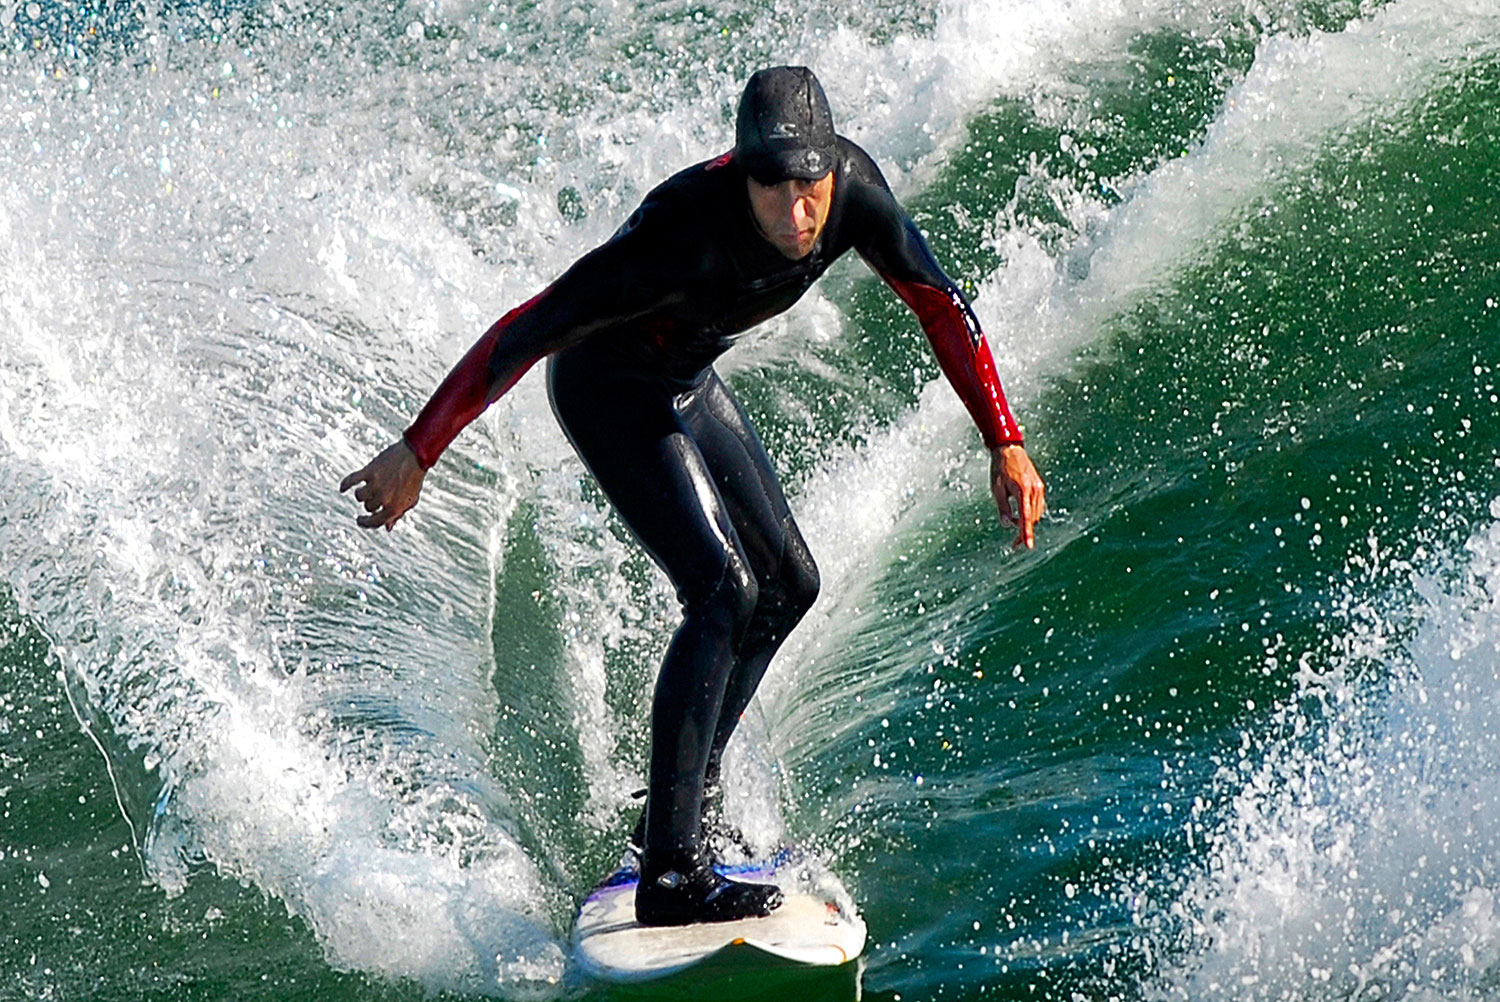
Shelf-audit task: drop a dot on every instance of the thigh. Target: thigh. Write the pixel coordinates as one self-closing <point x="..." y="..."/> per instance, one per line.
<point x="644" y="458"/>
<point x="743" y="473"/>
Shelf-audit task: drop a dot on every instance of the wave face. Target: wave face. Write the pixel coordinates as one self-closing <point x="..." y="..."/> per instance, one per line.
<point x="1227" y="733"/>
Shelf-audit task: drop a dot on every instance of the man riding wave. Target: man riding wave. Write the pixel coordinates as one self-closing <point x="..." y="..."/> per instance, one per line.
<point x="631" y="332"/>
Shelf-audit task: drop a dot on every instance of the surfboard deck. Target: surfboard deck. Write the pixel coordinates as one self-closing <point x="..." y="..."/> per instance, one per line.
<point x="815" y="927"/>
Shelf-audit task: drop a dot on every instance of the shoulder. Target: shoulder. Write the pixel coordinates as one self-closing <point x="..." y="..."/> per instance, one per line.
<point x="870" y="211"/>
<point x="681" y="205"/>
<point x="693" y="188"/>
<point x="859" y="167"/>
<point x="866" y="193"/>
<point x="671" y="234"/>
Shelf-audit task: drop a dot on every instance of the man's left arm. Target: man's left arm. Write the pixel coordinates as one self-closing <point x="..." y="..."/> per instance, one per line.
<point x="900" y="256"/>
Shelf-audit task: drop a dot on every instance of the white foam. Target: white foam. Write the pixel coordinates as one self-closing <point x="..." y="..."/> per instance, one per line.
<point x="177" y="408"/>
<point x="1304" y="97"/>
<point x="1359" y="860"/>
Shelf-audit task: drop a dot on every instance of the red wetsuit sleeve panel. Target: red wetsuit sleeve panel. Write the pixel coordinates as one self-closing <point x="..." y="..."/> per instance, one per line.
<point x="468" y="389"/>
<point x="964" y="356"/>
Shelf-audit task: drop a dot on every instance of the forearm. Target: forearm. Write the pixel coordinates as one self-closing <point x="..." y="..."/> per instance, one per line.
<point x="964" y="356"/>
<point x="491" y="367"/>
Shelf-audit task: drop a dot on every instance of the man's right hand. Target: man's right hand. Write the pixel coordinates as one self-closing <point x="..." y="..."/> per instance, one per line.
<point x="392" y="481"/>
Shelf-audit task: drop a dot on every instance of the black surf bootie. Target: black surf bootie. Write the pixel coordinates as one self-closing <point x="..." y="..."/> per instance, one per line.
<point x="680" y="888"/>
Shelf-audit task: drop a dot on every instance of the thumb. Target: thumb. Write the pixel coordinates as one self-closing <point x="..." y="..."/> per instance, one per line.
<point x="353" y="478"/>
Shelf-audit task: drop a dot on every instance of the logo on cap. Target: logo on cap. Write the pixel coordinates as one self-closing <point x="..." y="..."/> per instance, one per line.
<point x="783" y="130"/>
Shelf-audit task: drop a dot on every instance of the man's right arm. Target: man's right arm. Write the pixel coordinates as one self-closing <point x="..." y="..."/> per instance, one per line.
<point x="620" y="280"/>
<point x="497" y="360"/>
<point x="632" y="273"/>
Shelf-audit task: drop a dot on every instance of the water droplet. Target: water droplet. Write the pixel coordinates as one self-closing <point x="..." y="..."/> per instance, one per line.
<point x="570" y="205"/>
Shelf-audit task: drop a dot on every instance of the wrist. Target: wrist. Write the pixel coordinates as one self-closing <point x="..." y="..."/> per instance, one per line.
<point x="423" y="463"/>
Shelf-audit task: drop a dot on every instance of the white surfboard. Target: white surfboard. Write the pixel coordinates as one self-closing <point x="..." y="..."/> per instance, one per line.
<point x="815" y="927"/>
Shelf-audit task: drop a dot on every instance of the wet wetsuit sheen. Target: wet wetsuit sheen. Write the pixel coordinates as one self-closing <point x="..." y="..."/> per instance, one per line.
<point x="633" y="329"/>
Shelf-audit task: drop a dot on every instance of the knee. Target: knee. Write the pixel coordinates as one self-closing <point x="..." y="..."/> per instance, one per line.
<point x="801" y="582"/>
<point x="732" y="602"/>
<point x="786" y="597"/>
<point x="799" y="578"/>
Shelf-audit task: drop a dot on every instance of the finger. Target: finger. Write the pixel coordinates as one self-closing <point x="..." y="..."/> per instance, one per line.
<point x="1025" y="536"/>
<point x="353" y="479"/>
<point x="1027" y="501"/>
<point x="374" y="520"/>
<point x="1039" y="503"/>
<point x="1002" y="502"/>
<point x="370" y="497"/>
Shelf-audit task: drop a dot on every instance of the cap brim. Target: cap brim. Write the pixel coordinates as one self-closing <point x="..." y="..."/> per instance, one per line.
<point x="776" y="166"/>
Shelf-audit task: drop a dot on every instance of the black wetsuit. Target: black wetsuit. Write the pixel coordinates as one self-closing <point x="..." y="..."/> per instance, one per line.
<point x="633" y="329"/>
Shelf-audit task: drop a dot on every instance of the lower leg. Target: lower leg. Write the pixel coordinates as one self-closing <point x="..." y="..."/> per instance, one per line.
<point x="677" y="885"/>
<point x="684" y="710"/>
<point x="783" y="603"/>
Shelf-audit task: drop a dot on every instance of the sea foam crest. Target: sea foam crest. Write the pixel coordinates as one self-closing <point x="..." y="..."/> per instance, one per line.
<point x="1359" y="858"/>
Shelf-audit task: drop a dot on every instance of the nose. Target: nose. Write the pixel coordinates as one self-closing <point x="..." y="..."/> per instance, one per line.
<point x="801" y="213"/>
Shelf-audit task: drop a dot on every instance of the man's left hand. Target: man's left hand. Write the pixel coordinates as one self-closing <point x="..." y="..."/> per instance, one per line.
<point x="1019" y="491"/>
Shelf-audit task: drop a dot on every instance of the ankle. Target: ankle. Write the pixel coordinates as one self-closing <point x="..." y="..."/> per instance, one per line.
<point x="657" y="865"/>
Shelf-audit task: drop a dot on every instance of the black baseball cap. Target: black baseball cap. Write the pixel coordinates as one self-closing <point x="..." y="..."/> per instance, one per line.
<point x="784" y="129"/>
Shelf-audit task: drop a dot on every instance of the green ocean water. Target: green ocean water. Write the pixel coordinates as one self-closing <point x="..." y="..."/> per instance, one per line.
<point x="1228" y="732"/>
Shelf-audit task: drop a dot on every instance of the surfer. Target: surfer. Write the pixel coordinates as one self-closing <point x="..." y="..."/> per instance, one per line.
<point x="631" y="332"/>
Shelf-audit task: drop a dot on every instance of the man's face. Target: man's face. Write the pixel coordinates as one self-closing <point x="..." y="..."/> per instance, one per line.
<point x="792" y="214"/>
